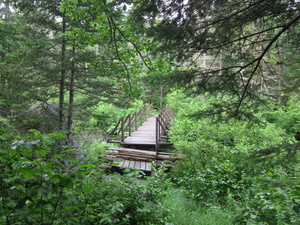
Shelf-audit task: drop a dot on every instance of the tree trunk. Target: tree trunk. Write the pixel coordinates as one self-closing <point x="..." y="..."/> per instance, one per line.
<point x="63" y="76"/>
<point x="7" y="11"/>
<point x="71" y="99"/>
<point x="6" y="14"/>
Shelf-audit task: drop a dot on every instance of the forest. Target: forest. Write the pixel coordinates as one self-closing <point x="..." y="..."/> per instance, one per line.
<point x="229" y="70"/>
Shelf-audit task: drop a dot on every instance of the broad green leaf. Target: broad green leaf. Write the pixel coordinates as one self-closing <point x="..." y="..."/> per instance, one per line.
<point x="69" y="150"/>
<point x="57" y="135"/>
<point x="26" y="172"/>
<point x="42" y="152"/>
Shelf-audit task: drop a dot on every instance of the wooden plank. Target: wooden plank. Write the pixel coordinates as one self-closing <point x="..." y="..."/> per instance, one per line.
<point x="148" y="166"/>
<point x="136" y="152"/>
<point x="130" y="154"/>
<point x="126" y="163"/>
<point x="170" y="157"/>
<point x="138" y="143"/>
<point x="145" y="134"/>
<point x="138" y="165"/>
<point x="140" y="138"/>
<point x="136" y="158"/>
<point x="140" y="134"/>
<point x="143" y="166"/>
<point x="132" y="164"/>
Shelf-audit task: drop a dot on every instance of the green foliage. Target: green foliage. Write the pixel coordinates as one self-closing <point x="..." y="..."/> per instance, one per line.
<point x="250" y="168"/>
<point x="29" y="62"/>
<point x="212" y="185"/>
<point x="272" y="198"/>
<point x="117" y="199"/>
<point x="206" y="141"/>
<point x="41" y="183"/>
<point x="226" y="46"/>
<point x="122" y="48"/>
<point x="287" y="116"/>
<point x="185" y="210"/>
<point x="95" y="150"/>
<point x="104" y="116"/>
<point x="31" y="183"/>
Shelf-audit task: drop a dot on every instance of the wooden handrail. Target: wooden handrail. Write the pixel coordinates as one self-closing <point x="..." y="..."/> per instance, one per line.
<point x="128" y="124"/>
<point x="163" y="123"/>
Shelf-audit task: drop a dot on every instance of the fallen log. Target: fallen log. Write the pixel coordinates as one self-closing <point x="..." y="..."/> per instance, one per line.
<point x="135" y="153"/>
<point x="169" y="157"/>
<point x="135" y="158"/>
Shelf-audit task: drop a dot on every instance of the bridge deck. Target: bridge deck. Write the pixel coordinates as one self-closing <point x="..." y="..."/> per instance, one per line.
<point x="133" y="164"/>
<point x="140" y="150"/>
<point x="144" y="135"/>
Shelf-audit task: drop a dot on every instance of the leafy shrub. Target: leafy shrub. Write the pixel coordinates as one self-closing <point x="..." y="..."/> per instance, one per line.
<point x="185" y="210"/>
<point x="104" y="116"/>
<point x="214" y="184"/>
<point x="248" y="167"/>
<point x="287" y="116"/>
<point x="271" y="199"/>
<point x="40" y="184"/>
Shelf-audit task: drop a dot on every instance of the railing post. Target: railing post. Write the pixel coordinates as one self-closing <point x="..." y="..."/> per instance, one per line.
<point x="129" y="124"/>
<point x="122" y="128"/>
<point x="135" y="120"/>
<point x="156" y="130"/>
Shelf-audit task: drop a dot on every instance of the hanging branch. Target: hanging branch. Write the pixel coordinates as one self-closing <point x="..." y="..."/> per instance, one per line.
<point x="131" y="42"/>
<point x="114" y="39"/>
<point x="259" y="59"/>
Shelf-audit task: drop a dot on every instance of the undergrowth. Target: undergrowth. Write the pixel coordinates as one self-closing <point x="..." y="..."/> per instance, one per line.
<point x="183" y="210"/>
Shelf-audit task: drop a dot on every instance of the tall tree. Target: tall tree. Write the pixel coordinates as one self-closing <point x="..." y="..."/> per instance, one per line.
<point x="107" y="58"/>
<point x="106" y="24"/>
<point x="240" y="36"/>
<point x="30" y="54"/>
<point x="63" y="74"/>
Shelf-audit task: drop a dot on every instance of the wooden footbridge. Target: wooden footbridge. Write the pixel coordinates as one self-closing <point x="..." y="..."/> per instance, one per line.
<point x="143" y="140"/>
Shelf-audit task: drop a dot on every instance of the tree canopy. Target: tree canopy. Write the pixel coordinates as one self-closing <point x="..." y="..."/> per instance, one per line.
<point x="246" y="40"/>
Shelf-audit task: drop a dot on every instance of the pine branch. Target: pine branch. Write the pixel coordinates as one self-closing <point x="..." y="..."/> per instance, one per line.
<point x="260" y="58"/>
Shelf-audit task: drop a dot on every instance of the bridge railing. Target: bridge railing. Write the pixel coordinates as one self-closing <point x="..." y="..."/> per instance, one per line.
<point x="128" y="124"/>
<point x="163" y="123"/>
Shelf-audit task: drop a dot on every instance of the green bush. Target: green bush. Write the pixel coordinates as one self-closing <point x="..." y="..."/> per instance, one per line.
<point x="212" y="186"/>
<point x="287" y="116"/>
<point x="41" y="183"/>
<point x="249" y="167"/>
<point x="272" y="198"/>
<point x="185" y="210"/>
